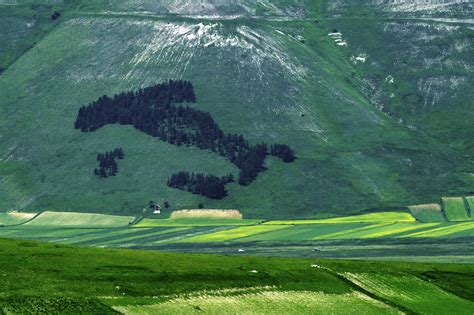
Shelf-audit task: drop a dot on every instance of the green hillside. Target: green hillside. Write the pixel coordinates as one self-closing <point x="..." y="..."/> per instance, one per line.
<point x="277" y="77"/>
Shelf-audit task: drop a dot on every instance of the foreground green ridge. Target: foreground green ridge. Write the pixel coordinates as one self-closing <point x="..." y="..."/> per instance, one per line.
<point x="47" y="279"/>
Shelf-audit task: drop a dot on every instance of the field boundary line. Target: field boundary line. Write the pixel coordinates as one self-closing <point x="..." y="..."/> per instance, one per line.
<point x="22" y="223"/>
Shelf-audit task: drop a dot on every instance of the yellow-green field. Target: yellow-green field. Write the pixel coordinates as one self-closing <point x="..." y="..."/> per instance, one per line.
<point x="194" y="222"/>
<point x="74" y="228"/>
<point x="73" y="219"/>
<point x="416" y="293"/>
<point x="236" y="233"/>
<point x="364" y="218"/>
<point x="455" y="209"/>
<point x="446" y="230"/>
<point x="266" y="302"/>
<point x="356" y="238"/>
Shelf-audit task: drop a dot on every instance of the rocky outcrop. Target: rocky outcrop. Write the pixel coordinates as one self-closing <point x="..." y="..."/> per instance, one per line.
<point x="438" y="8"/>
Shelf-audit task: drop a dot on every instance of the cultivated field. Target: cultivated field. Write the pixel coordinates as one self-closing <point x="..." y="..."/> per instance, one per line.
<point x="207" y="213"/>
<point x="428" y="213"/>
<point x="14" y="218"/>
<point x="235" y="233"/>
<point x="419" y="296"/>
<point x="266" y="302"/>
<point x="194" y="222"/>
<point x="455" y="209"/>
<point x="351" y="237"/>
<point x="470" y="204"/>
<point x="364" y="218"/>
<point x="46" y="278"/>
<point x="72" y="219"/>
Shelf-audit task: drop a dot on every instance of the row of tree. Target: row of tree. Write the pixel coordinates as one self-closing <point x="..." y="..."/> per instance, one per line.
<point x="201" y="184"/>
<point x="107" y="164"/>
<point x="153" y="110"/>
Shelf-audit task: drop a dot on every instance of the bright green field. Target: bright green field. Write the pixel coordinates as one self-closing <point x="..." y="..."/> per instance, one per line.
<point x="194" y="222"/>
<point x="71" y="219"/>
<point x="46" y="278"/>
<point x="107" y="230"/>
<point x="397" y="241"/>
<point x="266" y="302"/>
<point x="427" y="213"/>
<point x="460" y="229"/>
<point x="419" y="296"/>
<point x="455" y="209"/>
<point x="235" y="233"/>
<point x="364" y="218"/>
<point x="303" y="232"/>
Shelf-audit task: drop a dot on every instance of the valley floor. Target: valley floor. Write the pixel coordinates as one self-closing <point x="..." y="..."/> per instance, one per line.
<point x="383" y="236"/>
<point x="387" y="271"/>
<point x="47" y="278"/>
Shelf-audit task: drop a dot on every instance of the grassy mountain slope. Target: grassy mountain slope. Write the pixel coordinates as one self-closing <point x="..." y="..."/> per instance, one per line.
<point x="22" y="27"/>
<point x="419" y="72"/>
<point x="271" y="79"/>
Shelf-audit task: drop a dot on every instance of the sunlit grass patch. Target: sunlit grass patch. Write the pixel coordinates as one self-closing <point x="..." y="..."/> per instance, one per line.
<point x="445" y="230"/>
<point x="428" y="213"/>
<point x="194" y="222"/>
<point x="14" y="217"/>
<point x="94" y="237"/>
<point x="235" y="233"/>
<point x="46" y="233"/>
<point x="207" y="213"/>
<point x="303" y="232"/>
<point x="353" y="233"/>
<point x="267" y="302"/>
<point x="387" y="231"/>
<point x="413" y="293"/>
<point x="363" y="218"/>
<point x="147" y="233"/>
<point x="74" y="219"/>
<point x="455" y="209"/>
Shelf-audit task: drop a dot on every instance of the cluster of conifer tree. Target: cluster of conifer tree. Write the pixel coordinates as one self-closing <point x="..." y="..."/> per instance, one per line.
<point x="201" y="184"/>
<point x="107" y="164"/>
<point x="282" y="151"/>
<point x="153" y="110"/>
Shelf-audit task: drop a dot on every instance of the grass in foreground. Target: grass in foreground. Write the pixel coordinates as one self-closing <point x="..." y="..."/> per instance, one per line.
<point x="267" y="302"/>
<point x="47" y="278"/>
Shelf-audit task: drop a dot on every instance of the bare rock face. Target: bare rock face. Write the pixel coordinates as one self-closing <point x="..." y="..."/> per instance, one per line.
<point x="439" y="8"/>
<point x="211" y="8"/>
